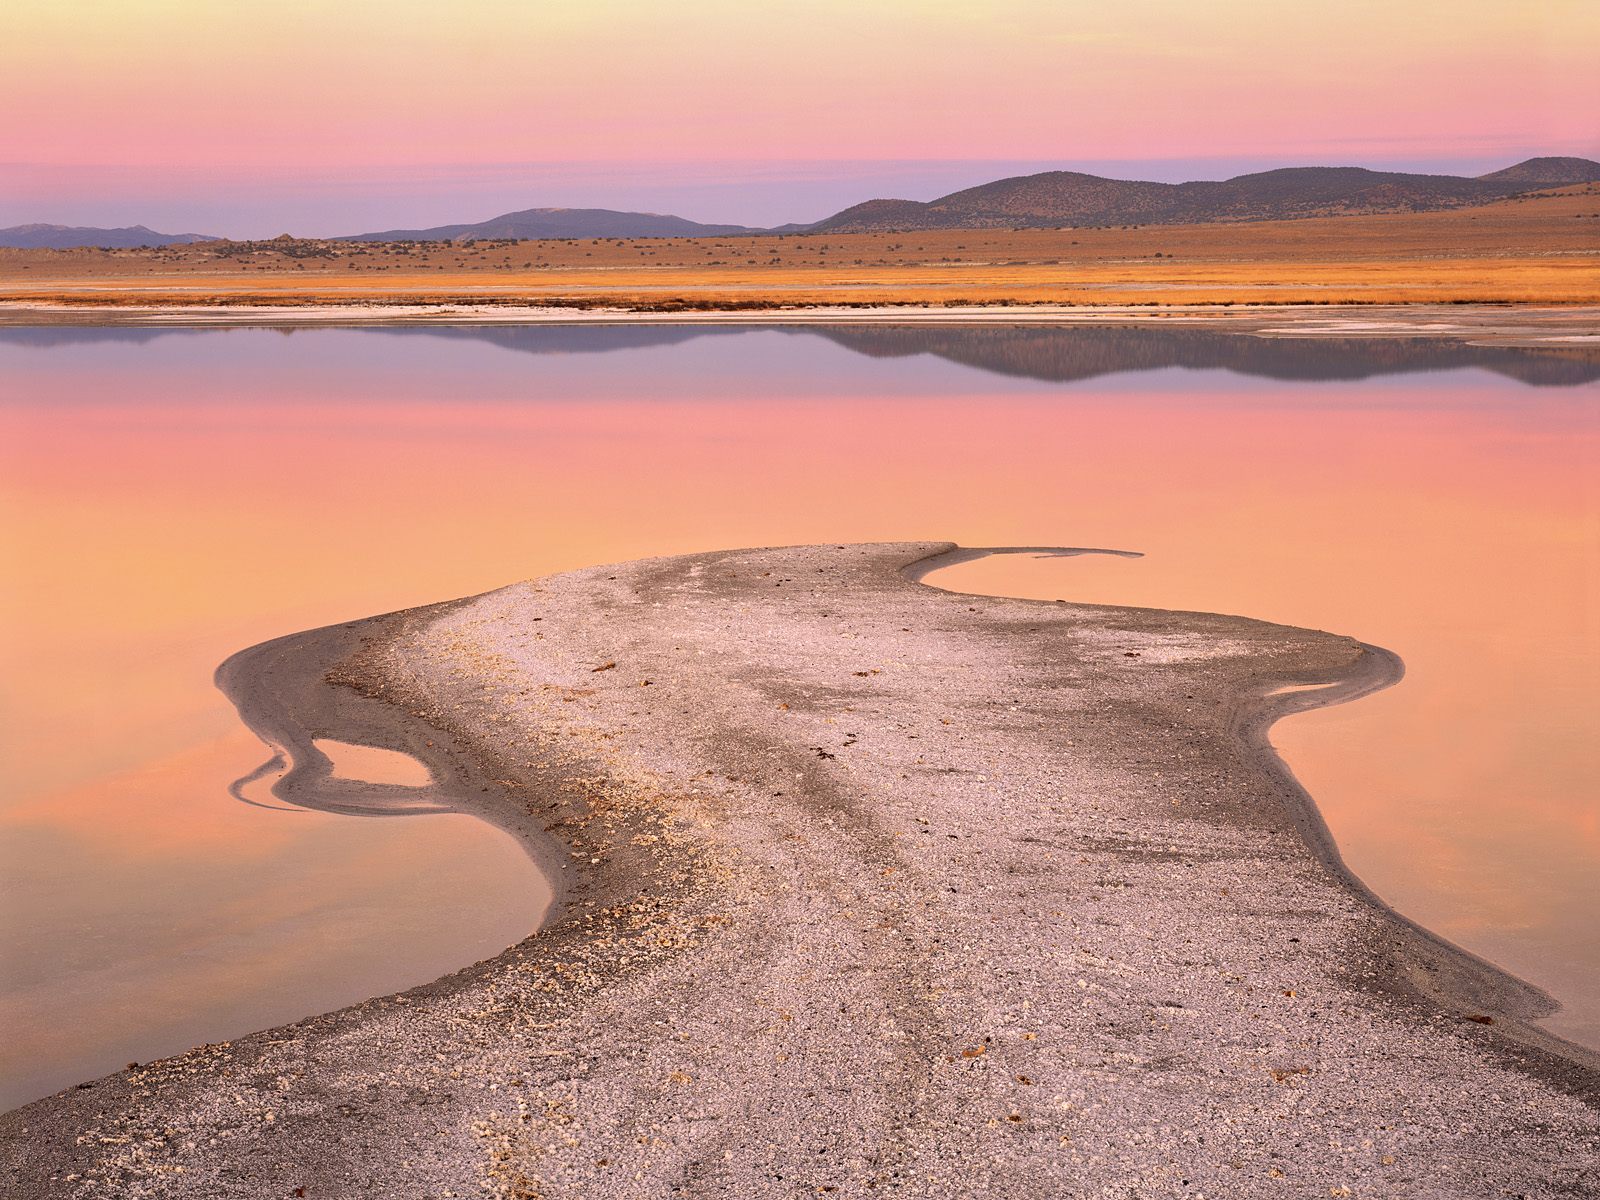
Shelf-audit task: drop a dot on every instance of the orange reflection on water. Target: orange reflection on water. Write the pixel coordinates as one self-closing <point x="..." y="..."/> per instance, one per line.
<point x="167" y="507"/>
<point x="370" y="764"/>
<point x="145" y="912"/>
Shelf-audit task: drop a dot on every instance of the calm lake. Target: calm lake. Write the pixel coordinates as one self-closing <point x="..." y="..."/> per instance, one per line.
<point x="174" y="495"/>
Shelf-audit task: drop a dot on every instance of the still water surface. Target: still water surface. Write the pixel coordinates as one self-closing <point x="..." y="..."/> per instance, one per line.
<point x="173" y="496"/>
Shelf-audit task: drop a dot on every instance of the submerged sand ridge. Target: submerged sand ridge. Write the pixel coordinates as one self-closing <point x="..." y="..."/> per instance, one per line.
<point x="863" y="886"/>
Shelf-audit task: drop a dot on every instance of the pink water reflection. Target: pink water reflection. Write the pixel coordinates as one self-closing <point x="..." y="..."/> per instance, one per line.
<point x="171" y="501"/>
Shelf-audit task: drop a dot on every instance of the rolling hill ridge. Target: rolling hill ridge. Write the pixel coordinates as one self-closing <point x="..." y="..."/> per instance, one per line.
<point x="1073" y="198"/>
<point x="68" y="237"/>
<point x="1049" y="199"/>
<point x="535" y="223"/>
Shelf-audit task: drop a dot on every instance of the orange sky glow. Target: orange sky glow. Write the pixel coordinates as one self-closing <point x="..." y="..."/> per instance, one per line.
<point x="322" y="119"/>
<point x="303" y="83"/>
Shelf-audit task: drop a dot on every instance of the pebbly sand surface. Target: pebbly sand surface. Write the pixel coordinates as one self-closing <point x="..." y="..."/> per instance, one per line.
<point x="862" y="887"/>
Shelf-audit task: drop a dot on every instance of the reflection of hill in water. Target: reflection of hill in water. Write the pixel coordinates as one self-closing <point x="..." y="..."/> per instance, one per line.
<point x="576" y="339"/>
<point x="1064" y="355"/>
<point x="533" y="339"/>
<point x="1050" y="354"/>
<point x="52" y="337"/>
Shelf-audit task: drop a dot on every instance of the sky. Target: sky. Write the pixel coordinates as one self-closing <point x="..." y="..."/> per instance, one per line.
<point x="251" y="119"/>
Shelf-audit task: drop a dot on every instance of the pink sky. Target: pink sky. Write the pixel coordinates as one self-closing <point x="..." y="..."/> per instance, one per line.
<point x="143" y="101"/>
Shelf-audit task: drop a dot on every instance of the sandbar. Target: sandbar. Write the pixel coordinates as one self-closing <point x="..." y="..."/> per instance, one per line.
<point x="861" y="887"/>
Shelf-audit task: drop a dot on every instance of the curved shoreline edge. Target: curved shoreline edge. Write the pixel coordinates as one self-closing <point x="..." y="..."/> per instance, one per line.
<point x="1026" y="970"/>
<point x="1441" y="972"/>
<point x="283" y="693"/>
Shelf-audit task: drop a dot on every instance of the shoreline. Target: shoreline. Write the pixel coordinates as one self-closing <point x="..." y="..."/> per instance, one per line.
<point x="1573" y="328"/>
<point x="1440" y="971"/>
<point x="281" y="692"/>
<point x="684" y="888"/>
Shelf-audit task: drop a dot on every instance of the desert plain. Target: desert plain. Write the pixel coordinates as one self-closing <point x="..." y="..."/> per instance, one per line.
<point x="1542" y="248"/>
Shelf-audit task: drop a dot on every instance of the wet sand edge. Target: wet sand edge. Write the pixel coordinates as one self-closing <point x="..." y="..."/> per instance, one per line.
<point x="1425" y="967"/>
<point x="294" y="690"/>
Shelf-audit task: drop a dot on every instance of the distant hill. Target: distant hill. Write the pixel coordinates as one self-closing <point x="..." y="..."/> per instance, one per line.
<point x="1072" y="198"/>
<point x="68" y="237"/>
<point x="1050" y="199"/>
<point x="533" y="223"/>
<point x="1548" y="172"/>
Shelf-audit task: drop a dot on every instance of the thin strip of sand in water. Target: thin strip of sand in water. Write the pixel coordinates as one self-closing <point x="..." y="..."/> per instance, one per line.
<point x="1571" y="327"/>
<point x="864" y="886"/>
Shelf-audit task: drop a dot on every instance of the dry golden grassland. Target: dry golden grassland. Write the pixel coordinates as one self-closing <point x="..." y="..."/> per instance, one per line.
<point x="1542" y="249"/>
